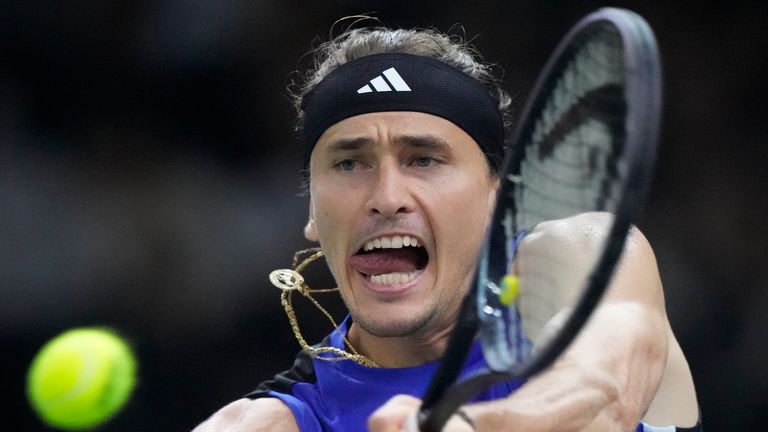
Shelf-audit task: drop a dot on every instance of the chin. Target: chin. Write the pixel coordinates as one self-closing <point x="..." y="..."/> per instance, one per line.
<point x="393" y="324"/>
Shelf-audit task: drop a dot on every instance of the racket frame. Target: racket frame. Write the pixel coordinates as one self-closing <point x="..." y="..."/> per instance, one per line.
<point x="642" y="122"/>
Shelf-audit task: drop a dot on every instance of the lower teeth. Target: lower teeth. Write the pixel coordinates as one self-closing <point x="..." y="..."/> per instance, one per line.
<point x="392" y="278"/>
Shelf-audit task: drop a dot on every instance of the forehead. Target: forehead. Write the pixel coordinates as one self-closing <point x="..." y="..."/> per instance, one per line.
<point x="391" y="127"/>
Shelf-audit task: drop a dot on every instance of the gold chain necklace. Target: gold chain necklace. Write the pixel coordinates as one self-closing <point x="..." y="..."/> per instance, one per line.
<point x="290" y="281"/>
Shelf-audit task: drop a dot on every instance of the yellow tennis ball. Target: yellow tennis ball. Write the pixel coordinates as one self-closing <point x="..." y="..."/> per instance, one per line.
<point x="81" y="378"/>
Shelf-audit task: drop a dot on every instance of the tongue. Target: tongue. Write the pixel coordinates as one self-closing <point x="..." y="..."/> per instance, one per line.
<point x="386" y="261"/>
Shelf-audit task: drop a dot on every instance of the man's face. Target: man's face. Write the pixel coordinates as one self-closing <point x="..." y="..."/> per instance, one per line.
<point x="399" y="204"/>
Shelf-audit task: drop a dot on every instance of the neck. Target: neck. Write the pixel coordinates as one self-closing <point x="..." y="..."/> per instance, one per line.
<point x="402" y="351"/>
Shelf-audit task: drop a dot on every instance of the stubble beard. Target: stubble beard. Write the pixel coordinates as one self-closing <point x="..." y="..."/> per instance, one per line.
<point x="388" y="328"/>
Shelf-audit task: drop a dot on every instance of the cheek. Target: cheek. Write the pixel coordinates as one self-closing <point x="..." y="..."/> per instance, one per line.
<point x="461" y="220"/>
<point x="471" y="207"/>
<point x="332" y="216"/>
<point x="328" y="225"/>
<point x="333" y="224"/>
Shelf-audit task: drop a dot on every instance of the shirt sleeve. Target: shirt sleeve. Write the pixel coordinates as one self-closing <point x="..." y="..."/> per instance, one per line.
<point x="305" y="418"/>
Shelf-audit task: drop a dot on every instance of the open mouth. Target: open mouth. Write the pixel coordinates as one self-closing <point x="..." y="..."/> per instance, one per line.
<point x="390" y="260"/>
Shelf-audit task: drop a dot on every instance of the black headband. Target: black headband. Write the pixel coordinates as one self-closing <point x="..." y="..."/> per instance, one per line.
<point x="403" y="82"/>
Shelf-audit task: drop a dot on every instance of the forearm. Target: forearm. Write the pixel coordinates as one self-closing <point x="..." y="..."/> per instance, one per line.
<point x="625" y="344"/>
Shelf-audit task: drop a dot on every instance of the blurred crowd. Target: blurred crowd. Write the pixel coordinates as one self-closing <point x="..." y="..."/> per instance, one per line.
<point x="149" y="182"/>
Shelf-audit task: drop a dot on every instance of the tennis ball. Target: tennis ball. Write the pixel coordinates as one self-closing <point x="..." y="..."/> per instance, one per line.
<point x="81" y="378"/>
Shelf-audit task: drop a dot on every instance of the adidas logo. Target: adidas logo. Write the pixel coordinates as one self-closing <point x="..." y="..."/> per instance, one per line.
<point x="380" y="84"/>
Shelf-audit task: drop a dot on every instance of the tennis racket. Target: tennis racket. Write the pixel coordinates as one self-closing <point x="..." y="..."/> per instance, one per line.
<point x="585" y="143"/>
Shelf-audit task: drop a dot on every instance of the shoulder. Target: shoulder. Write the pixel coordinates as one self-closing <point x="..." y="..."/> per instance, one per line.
<point x="264" y="414"/>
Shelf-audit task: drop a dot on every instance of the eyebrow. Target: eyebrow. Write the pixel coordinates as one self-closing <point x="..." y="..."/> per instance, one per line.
<point x="427" y="142"/>
<point x="346" y="144"/>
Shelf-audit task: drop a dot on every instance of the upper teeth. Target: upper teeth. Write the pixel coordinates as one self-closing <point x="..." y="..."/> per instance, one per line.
<point x="395" y="242"/>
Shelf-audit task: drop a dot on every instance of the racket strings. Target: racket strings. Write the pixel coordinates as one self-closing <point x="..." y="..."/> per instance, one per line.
<point x="595" y="65"/>
<point x="290" y="281"/>
<point x="572" y="158"/>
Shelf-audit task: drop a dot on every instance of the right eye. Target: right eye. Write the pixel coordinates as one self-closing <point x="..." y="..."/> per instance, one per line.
<point x="347" y="164"/>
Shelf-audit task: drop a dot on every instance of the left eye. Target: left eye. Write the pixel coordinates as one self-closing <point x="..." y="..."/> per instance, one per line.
<point x="423" y="161"/>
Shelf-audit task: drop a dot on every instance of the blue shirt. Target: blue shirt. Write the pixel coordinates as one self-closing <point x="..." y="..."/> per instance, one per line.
<point x="339" y="396"/>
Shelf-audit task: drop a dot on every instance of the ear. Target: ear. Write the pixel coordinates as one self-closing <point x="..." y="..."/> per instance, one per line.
<point x="492" y="193"/>
<point x="310" y="230"/>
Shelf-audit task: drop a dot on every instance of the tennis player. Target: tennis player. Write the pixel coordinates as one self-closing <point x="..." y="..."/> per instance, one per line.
<point x="401" y="189"/>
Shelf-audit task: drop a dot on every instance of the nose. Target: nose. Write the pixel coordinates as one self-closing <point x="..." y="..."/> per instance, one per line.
<point x="390" y="193"/>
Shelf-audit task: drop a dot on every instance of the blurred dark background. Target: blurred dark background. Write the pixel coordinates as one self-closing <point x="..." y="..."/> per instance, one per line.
<point x="148" y="182"/>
